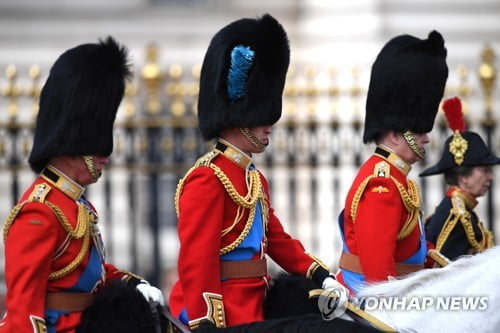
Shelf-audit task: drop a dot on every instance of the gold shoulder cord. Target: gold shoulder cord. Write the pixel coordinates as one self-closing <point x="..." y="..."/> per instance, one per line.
<point x="458" y="212"/>
<point x="10" y="219"/>
<point x="411" y="200"/>
<point x="205" y="160"/>
<point x="249" y="201"/>
<point x="357" y="196"/>
<point x="82" y="229"/>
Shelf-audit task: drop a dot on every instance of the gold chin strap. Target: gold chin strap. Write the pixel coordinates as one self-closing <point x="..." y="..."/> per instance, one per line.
<point x="253" y="140"/>
<point x="410" y="140"/>
<point x="89" y="162"/>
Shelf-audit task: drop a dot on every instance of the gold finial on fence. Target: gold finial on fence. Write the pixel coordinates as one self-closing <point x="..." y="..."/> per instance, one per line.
<point x="194" y="87"/>
<point x="291" y="92"/>
<point x="128" y="102"/>
<point x="176" y="91"/>
<point x="311" y="90"/>
<point x="464" y="90"/>
<point x="487" y="74"/>
<point x="153" y="76"/>
<point x="12" y="92"/>
<point x="34" y="90"/>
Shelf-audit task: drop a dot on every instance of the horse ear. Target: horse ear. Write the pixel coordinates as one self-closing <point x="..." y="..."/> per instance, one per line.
<point x="289" y="296"/>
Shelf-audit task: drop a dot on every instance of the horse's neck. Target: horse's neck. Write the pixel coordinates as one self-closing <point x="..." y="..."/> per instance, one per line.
<point x="465" y="281"/>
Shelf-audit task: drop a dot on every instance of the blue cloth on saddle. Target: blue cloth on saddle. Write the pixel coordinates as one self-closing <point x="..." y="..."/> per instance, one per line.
<point x="356" y="281"/>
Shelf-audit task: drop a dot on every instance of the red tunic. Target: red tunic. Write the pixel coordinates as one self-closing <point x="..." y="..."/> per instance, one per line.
<point x="36" y="245"/>
<point x="206" y="209"/>
<point x="375" y="214"/>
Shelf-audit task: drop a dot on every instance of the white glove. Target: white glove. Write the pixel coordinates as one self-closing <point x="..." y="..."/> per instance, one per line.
<point x="150" y="293"/>
<point x="333" y="291"/>
<point x="330" y="284"/>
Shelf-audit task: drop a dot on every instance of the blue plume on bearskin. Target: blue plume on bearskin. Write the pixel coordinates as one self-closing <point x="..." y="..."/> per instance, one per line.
<point x="241" y="62"/>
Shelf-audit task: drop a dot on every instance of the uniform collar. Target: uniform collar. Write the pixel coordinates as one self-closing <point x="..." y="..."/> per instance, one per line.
<point x="469" y="200"/>
<point x="393" y="158"/>
<point x="62" y="182"/>
<point x="233" y="154"/>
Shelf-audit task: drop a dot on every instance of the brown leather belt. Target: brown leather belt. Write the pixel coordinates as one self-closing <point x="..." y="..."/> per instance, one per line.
<point x="351" y="263"/>
<point x="243" y="269"/>
<point x="72" y="302"/>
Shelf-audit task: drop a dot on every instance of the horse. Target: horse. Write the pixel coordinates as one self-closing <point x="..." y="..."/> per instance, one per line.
<point x="460" y="297"/>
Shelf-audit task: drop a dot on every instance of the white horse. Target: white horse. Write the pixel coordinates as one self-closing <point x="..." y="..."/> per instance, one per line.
<point x="461" y="297"/>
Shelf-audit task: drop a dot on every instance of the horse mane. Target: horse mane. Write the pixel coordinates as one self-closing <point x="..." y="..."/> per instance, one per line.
<point x="412" y="282"/>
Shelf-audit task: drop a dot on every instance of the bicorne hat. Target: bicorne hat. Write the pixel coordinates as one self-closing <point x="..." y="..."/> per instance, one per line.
<point x="462" y="148"/>
<point x="406" y="86"/>
<point x="79" y="101"/>
<point x="243" y="76"/>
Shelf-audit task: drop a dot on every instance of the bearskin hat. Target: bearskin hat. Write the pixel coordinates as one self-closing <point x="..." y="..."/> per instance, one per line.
<point x="407" y="83"/>
<point x="79" y="101"/>
<point x="243" y="76"/>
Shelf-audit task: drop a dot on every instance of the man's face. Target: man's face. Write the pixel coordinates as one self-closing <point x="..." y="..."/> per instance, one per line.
<point x="406" y="152"/>
<point x="263" y="134"/>
<point x="83" y="176"/>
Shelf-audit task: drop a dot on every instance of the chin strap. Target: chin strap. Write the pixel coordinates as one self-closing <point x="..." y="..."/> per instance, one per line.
<point x="253" y="140"/>
<point x="410" y="140"/>
<point x="89" y="162"/>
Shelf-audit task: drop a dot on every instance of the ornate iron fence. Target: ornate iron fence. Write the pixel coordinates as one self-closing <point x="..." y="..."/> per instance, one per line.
<point x="313" y="157"/>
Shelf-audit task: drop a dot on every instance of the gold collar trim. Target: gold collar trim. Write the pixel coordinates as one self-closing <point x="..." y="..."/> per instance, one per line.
<point x="62" y="182"/>
<point x="233" y="153"/>
<point x="469" y="200"/>
<point x="394" y="159"/>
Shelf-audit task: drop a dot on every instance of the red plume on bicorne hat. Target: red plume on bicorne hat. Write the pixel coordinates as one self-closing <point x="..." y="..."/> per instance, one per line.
<point x="452" y="108"/>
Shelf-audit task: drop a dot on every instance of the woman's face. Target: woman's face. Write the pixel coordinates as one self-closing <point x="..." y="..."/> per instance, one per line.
<point x="478" y="182"/>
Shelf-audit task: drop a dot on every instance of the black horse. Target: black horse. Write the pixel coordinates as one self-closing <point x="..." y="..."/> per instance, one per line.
<point x="288" y="309"/>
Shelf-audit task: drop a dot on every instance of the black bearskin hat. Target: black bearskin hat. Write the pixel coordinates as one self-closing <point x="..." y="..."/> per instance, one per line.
<point x="406" y="86"/>
<point x="79" y="101"/>
<point x="243" y="76"/>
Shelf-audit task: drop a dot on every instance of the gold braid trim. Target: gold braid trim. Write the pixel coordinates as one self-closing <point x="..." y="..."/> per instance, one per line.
<point x="10" y="219"/>
<point x="76" y="262"/>
<point x="82" y="225"/>
<point x="411" y="200"/>
<point x="205" y="160"/>
<point x="82" y="229"/>
<point x="249" y="201"/>
<point x="357" y="196"/>
<point x="253" y="194"/>
<point x="448" y="226"/>
<point x="458" y="212"/>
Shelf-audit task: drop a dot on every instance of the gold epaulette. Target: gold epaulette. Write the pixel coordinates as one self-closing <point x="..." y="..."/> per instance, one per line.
<point x="37" y="195"/>
<point x="459" y="212"/>
<point x="381" y="169"/>
<point x="411" y="197"/>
